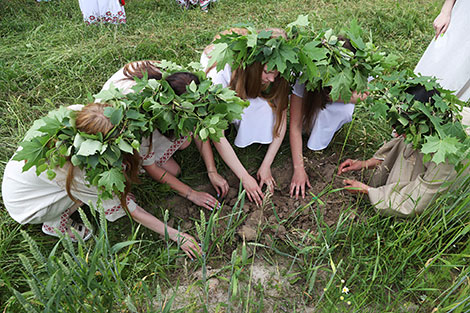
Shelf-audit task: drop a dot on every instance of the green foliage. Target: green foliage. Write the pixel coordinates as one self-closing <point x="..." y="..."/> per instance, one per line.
<point x="318" y="59"/>
<point x="82" y="279"/>
<point x="242" y="48"/>
<point x="204" y="109"/>
<point x="49" y="58"/>
<point x="433" y="126"/>
<point x="326" y="62"/>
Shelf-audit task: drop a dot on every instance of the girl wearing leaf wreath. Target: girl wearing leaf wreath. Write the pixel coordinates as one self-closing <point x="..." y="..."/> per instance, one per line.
<point x="32" y="195"/>
<point x="316" y="112"/>
<point x="157" y="150"/>
<point x="405" y="182"/>
<point x="257" y="80"/>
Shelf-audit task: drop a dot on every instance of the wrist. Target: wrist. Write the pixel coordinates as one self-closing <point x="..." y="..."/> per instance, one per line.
<point x="299" y="169"/>
<point x="189" y="193"/>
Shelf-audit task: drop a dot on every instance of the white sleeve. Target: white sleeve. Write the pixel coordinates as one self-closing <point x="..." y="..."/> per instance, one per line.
<point x="221" y="77"/>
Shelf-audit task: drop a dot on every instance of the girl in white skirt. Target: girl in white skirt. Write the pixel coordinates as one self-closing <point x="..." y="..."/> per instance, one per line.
<point x="34" y="199"/>
<point x="157" y="150"/>
<point x="103" y="11"/>
<point x="264" y="121"/>
<point x="448" y="55"/>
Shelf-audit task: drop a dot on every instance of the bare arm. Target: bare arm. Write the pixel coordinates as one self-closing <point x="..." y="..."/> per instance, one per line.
<point x="442" y="21"/>
<point x="219" y="183"/>
<point x="202" y="199"/>
<point x="229" y="156"/>
<point x="187" y="243"/>
<point x="299" y="177"/>
<point x="264" y="172"/>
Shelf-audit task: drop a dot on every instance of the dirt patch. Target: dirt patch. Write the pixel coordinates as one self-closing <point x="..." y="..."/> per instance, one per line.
<point x="281" y="214"/>
<point x="260" y="286"/>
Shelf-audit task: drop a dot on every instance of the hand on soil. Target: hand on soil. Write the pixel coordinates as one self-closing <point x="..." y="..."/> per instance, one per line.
<point x="265" y="177"/>
<point x="354" y="186"/>
<point x="219" y="183"/>
<point x="189" y="245"/>
<point x="297" y="185"/>
<point x="350" y="165"/>
<point x="204" y="200"/>
<point x="253" y="191"/>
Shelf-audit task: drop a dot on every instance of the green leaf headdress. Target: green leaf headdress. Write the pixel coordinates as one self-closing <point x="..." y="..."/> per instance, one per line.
<point x="53" y="140"/>
<point x="324" y="60"/>
<point x="204" y="109"/>
<point x="432" y="126"/>
<point x="241" y="47"/>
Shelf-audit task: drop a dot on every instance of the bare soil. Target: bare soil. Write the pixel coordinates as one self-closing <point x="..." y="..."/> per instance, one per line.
<point x="281" y="214"/>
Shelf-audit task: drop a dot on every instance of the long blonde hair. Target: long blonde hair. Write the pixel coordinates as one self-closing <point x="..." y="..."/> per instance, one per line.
<point x="91" y="120"/>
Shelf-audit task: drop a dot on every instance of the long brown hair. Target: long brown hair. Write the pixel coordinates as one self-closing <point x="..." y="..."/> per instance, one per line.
<point x="91" y="120"/>
<point x="246" y="82"/>
<point x="315" y="101"/>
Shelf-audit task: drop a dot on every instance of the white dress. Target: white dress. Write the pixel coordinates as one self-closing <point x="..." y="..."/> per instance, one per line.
<point x="328" y="121"/>
<point x="258" y="119"/>
<point x="157" y="149"/>
<point x="448" y="57"/>
<point x="105" y="11"/>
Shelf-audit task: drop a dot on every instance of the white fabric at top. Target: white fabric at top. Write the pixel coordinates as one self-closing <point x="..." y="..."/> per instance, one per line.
<point x="258" y="119"/>
<point x="120" y="81"/>
<point x="448" y="57"/>
<point x="328" y="121"/>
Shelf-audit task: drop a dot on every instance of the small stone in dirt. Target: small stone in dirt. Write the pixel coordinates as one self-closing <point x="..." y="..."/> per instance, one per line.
<point x="232" y="202"/>
<point x="255" y="218"/>
<point x="213" y="283"/>
<point x="248" y="232"/>
<point x="329" y="171"/>
<point x="281" y="230"/>
<point x="232" y="193"/>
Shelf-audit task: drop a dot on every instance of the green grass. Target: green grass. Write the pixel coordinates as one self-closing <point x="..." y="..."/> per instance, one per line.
<point x="50" y="58"/>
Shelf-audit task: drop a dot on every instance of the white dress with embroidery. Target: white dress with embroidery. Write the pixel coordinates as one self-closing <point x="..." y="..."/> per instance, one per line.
<point x="157" y="149"/>
<point x="258" y="119"/>
<point x="328" y="121"/>
<point x="448" y="57"/>
<point x="104" y="11"/>
<point x="34" y="199"/>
